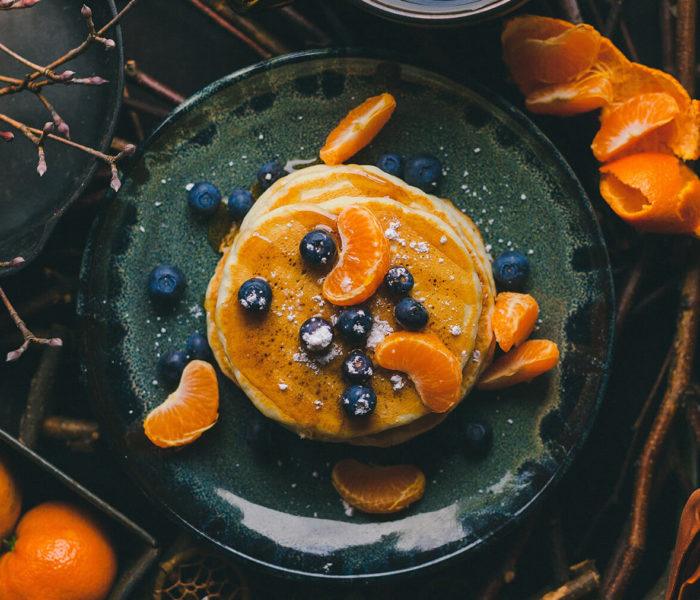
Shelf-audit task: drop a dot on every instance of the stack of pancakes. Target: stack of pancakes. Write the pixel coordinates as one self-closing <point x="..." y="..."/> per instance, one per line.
<point x="260" y="352"/>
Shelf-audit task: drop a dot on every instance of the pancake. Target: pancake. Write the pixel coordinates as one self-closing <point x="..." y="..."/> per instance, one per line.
<point x="262" y="354"/>
<point x="321" y="183"/>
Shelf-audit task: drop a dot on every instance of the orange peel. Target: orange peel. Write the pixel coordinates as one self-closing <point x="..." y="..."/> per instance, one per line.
<point x="654" y="192"/>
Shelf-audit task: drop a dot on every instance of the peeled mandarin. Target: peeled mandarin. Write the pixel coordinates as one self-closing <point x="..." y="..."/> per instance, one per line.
<point x="434" y="370"/>
<point x="357" y="129"/>
<point x="514" y="318"/>
<point x="524" y="363"/>
<point x="378" y="489"/>
<point x="189" y="411"/>
<point x="363" y="260"/>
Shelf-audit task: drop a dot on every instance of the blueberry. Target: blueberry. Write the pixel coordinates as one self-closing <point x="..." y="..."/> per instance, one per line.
<point x="510" y="270"/>
<point x="197" y="347"/>
<point x="317" y="247"/>
<point x="478" y="437"/>
<point x="399" y="280"/>
<point x="354" y="324"/>
<point x="258" y="434"/>
<point x="423" y="170"/>
<point x="239" y="203"/>
<point x="357" y="367"/>
<point x="392" y="164"/>
<point x="269" y="173"/>
<point x="204" y="198"/>
<point x="410" y="313"/>
<point x="358" y="400"/>
<point x="316" y="334"/>
<point x="255" y="295"/>
<point x="166" y="284"/>
<point x="170" y="367"/>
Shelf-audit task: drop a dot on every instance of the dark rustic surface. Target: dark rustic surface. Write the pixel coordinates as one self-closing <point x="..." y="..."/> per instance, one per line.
<point x="174" y="42"/>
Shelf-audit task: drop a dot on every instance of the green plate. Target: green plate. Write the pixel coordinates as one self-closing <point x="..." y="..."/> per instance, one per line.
<point x="278" y="509"/>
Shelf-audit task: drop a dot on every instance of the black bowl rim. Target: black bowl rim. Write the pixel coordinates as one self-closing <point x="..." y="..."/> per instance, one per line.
<point x="426" y="15"/>
<point x="42" y="231"/>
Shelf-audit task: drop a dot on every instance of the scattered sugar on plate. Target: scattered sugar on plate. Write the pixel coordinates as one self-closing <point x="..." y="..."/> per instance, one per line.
<point x="189" y="186"/>
<point x="349" y="510"/>
<point x="456" y="330"/>
<point x="283" y="386"/>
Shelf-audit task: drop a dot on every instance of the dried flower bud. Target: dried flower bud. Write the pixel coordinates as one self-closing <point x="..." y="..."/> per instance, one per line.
<point x="94" y="80"/>
<point x="7" y="136"/>
<point x="129" y="149"/>
<point x="56" y="342"/>
<point x="108" y="43"/>
<point x="63" y="128"/>
<point x="14" y="355"/>
<point x="115" y="183"/>
<point x="18" y="260"/>
<point x="41" y="168"/>
<point x="86" y="11"/>
<point x="6" y="3"/>
<point x="66" y="76"/>
<point x="28" y="3"/>
<point x="48" y="127"/>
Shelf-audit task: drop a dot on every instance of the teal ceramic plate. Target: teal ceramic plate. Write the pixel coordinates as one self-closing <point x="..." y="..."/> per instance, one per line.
<point x="278" y="508"/>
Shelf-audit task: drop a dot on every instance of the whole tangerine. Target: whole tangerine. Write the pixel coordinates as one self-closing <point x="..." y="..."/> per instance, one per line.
<point x="10" y="501"/>
<point x="60" y="552"/>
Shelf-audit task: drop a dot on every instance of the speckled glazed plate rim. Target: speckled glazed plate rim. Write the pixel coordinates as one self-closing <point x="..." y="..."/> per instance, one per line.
<point x="40" y="233"/>
<point x="516" y="517"/>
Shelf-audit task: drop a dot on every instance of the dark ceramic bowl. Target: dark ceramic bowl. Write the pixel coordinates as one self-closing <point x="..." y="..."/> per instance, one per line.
<point x="30" y="206"/>
<point x="40" y="481"/>
<point x="440" y="12"/>
<point x="275" y="506"/>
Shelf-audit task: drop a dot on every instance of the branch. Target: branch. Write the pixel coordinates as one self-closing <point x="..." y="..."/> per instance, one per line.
<point x="681" y="367"/>
<point x="28" y="336"/>
<point x="10" y="4"/>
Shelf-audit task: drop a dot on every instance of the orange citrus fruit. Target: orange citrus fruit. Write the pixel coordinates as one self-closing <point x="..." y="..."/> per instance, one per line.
<point x="524" y="363"/>
<point x="434" y="370"/>
<point x="60" y="552"/>
<point x="357" y="129"/>
<point x="625" y="125"/>
<point x="189" y="411"/>
<point x="10" y="501"/>
<point x="363" y="261"/>
<point x="514" y="318"/>
<point x="592" y="91"/>
<point x="654" y="192"/>
<point x="378" y="489"/>
<point x="541" y="50"/>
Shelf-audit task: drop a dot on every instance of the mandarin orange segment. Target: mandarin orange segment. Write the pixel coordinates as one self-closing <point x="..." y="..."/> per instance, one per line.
<point x="378" y="489"/>
<point x="631" y="121"/>
<point x="434" y="370"/>
<point x="514" y="318"/>
<point x="571" y="98"/>
<point x="524" y="363"/>
<point x="357" y="129"/>
<point x="654" y="192"/>
<point x="60" y="552"/>
<point x="363" y="261"/>
<point x="189" y="411"/>
<point x="10" y="500"/>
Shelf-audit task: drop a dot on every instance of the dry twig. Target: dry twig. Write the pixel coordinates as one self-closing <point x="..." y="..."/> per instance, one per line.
<point x="681" y="365"/>
<point x="29" y="337"/>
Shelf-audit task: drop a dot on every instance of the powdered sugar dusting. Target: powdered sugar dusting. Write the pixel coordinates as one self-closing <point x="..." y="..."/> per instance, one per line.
<point x="380" y="329"/>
